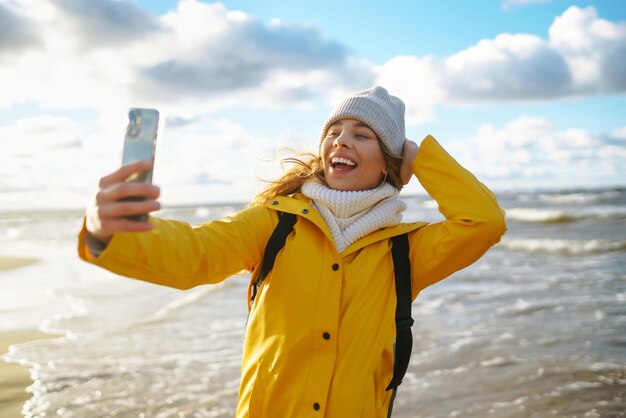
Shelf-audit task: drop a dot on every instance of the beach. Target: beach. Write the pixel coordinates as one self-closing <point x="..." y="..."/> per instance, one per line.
<point x="535" y="328"/>
<point x="7" y="263"/>
<point x="14" y="379"/>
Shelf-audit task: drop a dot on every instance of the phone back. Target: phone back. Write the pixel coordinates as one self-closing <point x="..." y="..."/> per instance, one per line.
<point x="140" y="140"/>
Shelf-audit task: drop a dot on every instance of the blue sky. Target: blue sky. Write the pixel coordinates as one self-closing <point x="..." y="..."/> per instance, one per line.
<point x="379" y="31"/>
<point x="525" y="93"/>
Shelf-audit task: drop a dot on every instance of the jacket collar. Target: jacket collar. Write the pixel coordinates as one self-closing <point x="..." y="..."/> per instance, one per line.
<point x="300" y="205"/>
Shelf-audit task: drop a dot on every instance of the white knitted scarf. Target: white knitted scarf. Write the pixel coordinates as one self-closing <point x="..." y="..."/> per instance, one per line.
<point x="351" y="215"/>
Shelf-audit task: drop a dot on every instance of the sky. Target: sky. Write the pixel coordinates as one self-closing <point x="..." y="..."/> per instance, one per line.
<point x="526" y="94"/>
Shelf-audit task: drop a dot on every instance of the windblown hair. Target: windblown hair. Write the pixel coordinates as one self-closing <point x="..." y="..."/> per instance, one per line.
<point x="309" y="166"/>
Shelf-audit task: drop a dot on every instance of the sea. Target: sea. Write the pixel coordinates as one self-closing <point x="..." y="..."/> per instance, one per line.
<point x="535" y="328"/>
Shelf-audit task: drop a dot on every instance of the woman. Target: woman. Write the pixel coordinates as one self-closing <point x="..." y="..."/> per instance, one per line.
<point x="321" y="331"/>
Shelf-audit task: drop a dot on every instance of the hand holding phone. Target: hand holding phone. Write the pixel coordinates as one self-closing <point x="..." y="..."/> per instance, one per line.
<point x="126" y="195"/>
<point x="109" y="211"/>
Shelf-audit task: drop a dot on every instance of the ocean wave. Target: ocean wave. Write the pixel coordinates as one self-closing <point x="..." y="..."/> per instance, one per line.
<point x="563" y="245"/>
<point x="523" y="307"/>
<point x="565" y="198"/>
<point x="542" y="215"/>
<point x="177" y="304"/>
<point x="580" y="198"/>
<point x="538" y="215"/>
<point x="430" y="204"/>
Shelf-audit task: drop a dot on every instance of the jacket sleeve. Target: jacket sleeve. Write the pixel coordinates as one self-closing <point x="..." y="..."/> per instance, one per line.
<point x="474" y="220"/>
<point x="178" y="255"/>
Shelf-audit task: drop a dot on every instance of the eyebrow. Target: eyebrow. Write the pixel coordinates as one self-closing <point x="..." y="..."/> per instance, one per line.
<point x="358" y="124"/>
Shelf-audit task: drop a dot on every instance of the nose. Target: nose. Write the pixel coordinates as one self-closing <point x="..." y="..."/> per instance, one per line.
<point x="342" y="140"/>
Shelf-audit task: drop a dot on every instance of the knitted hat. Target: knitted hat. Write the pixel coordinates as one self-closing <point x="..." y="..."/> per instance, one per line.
<point x="382" y="112"/>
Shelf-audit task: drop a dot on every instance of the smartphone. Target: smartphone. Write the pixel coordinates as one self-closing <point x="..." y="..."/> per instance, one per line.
<point x="140" y="144"/>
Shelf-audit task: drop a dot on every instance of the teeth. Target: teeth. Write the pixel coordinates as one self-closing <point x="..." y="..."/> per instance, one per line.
<point x="339" y="160"/>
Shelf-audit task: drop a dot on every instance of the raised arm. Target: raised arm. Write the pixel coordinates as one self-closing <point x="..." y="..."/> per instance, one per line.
<point x="474" y="220"/>
<point x="167" y="252"/>
<point x="175" y="254"/>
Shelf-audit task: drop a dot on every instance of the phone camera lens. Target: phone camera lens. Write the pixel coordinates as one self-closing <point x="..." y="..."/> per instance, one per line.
<point x="134" y="124"/>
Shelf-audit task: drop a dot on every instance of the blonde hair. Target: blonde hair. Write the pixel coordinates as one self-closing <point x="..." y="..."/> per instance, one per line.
<point x="309" y="166"/>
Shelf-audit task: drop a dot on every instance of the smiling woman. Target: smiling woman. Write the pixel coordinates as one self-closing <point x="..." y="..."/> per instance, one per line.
<point x="353" y="157"/>
<point x="328" y="325"/>
<point x="362" y="146"/>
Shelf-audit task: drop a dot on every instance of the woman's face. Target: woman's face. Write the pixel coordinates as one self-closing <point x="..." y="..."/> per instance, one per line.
<point x="352" y="156"/>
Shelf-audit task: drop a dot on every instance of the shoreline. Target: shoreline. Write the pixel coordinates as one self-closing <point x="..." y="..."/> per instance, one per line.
<point x="14" y="378"/>
<point x="8" y="263"/>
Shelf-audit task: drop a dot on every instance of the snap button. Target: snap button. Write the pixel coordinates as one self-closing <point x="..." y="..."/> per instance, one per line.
<point x="305" y="211"/>
<point x="326" y="336"/>
<point x="316" y="406"/>
<point x="335" y="267"/>
<point x="275" y="202"/>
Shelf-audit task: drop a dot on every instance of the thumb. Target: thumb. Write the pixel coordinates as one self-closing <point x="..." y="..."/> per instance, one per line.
<point x="409" y="153"/>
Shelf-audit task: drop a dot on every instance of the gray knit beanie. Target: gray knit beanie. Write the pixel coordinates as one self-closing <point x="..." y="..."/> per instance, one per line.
<point x="382" y="112"/>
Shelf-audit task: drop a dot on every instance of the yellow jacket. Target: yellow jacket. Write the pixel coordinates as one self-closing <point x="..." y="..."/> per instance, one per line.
<point x="320" y="335"/>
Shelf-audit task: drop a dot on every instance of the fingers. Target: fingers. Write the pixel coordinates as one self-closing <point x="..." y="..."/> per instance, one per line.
<point x="405" y="175"/>
<point x="125" y="225"/>
<point x="121" y="190"/>
<point x="107" y="227"/>
<point x="125" y="171"/>
<point x="409" y="153"/>
<point x="104" y="220"/>
<point x="410" y="148"/>
<point x="118" y="199"/>
<point x="120" y="209"/>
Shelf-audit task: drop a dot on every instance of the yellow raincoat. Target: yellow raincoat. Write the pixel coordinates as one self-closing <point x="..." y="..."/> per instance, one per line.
<point x="320" y="335"/>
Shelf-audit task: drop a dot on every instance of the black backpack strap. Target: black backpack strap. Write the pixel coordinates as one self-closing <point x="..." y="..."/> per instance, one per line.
<point x="402" y="272"/>
<point x="286" y="221"/>
<point x="404" y="337"/>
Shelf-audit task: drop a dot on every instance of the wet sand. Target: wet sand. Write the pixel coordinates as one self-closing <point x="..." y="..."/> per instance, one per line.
<point x="14" y="379"/>
<point x="7" y="263"/>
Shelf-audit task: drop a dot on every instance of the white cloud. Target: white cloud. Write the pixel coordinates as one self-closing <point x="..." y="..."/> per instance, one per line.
<point x="195" y="59"/>
<point x="51" y="153"/>
<point x="619" y="133"/>
<point x="108" y="55"/>
<point x="529" y="151"/>
<point x="583" y="55"/>
<point x="15" y="33"/>
<point x="40" y="134"/>
<point x="422" y="93"/>
<point x="507" y="67"/>
<point x="593" y="48"/>
<point x="50" y="161"/>
<point x="201" y="57"/>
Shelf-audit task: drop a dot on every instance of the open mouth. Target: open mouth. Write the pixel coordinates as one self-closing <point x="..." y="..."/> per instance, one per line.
<point x="342" y="164"/>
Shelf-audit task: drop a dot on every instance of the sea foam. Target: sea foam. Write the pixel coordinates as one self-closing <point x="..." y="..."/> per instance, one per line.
<point x="563" y="245"/>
